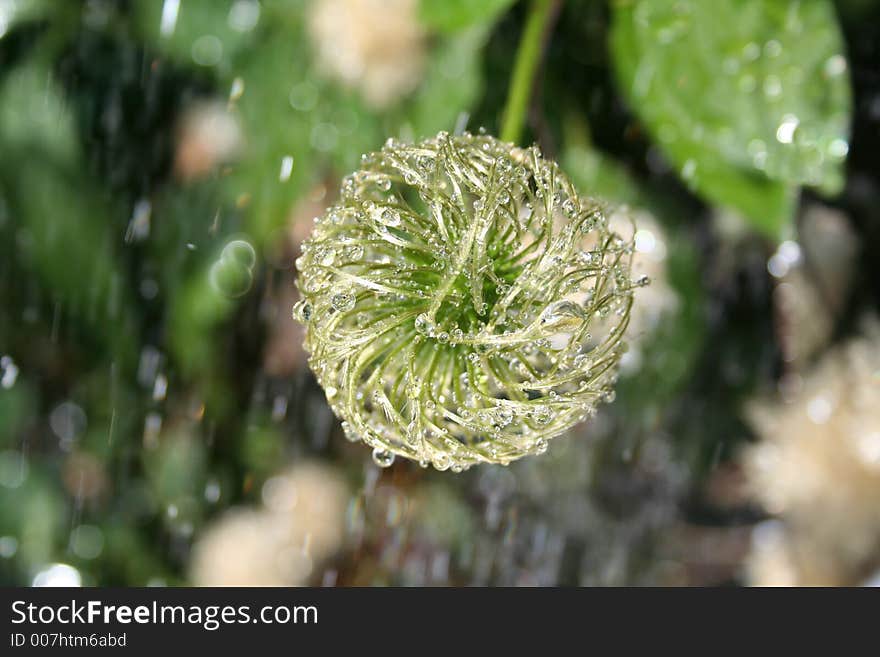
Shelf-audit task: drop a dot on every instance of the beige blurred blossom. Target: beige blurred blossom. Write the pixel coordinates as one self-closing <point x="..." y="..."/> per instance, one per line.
<point x="300" y="523"/>
<point x="209" y="135"/>
<point x="817" y="468"/>
<point x="814" y="278"/>
<point x="804" y="322"/>
<point x="830" y="245"/>
<point x="375" y="46"/>
<point x="246" y="547"/>
<point x="311" y="499"/>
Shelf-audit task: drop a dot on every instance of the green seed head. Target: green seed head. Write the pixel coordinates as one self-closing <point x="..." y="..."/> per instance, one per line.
<point x="463" y="304"/>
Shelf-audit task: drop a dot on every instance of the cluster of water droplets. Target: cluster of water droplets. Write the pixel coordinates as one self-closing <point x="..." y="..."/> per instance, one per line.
<point x="463" y="303"/>
<point x="232" y="274"/>
<point x="759" y="106"/>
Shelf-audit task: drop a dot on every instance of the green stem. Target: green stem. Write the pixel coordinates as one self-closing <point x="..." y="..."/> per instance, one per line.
<point x="527" y="58"/>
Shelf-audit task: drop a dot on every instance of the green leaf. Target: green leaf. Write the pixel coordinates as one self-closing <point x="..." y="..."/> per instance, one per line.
<point x="452" y="84"/>
<point x="598" y="175"/>
<point x="452" y="15"/>
<point x="35" y="116"/>
<point x="68" y="237"/>
<point x="748" y="99"/>
<point x="204" y="33"/>
<point x="288" y="112"/>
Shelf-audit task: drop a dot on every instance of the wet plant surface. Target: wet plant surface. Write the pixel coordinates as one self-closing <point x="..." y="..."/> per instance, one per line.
<point x="162" y="165"/>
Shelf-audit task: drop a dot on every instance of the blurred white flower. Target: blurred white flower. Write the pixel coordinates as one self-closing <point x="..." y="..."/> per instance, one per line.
<point x="375" y="46"/>
<point x="817" y="467"/>
<point x="245" y="548"/>
<point x="209" y="135"/>
<point x="815" y="275"/>
<point x="301" y="523"/>
<point x="803" y="319"/>
<point x="310" y="500"/>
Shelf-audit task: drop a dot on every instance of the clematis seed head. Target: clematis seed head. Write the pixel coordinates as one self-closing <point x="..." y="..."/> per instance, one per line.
<point x="463" y="303"/>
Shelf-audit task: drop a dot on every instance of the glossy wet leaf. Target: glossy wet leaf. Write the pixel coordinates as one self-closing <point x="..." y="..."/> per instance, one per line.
<point x="748" y="99"/>
<point x="451" y="15"/>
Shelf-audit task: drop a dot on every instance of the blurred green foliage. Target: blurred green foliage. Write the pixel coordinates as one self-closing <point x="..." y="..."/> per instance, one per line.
<point x="95" y="313"/>
<point x="748" y="99"/>
<point x="451" y="15"/>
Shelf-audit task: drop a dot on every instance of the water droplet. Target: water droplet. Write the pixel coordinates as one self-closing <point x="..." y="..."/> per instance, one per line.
<point x="286" y="168"/>
<point x="390" y="217"/>
<point x="8" y="372"/>
<point x="835" y="65"/>
<point x="342" y="301"/>
<point x="503" y="416"/>
<point x="773" y="48"/>
<point x="8" y="547"/>
<point x="241" y="252"/>
<point x="785" y="131"/>
<point x="303" y="96"/>
<point x="689" y="169"/>
<point x="423" y="324"/>
<point x="542" y="414"/>
<point x="772" y="86"/>
<point x="230" y="278"/>
<point x="414" y="388"/>
<point x="302" y="311"/>
<point x="838" y="148"/>
<point x="382" y="458"/>
<point x="243" y="15"/>
<point x="57" y="574"/>
<point x="170" y="10"/>
<point x="751" y="51"/>
<point x="68" y="421"/>
<point x="324" y="136"/>
<point x="87" y="541"/>
<point x="350" y="434"/>
<point x="207" y="50"/>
